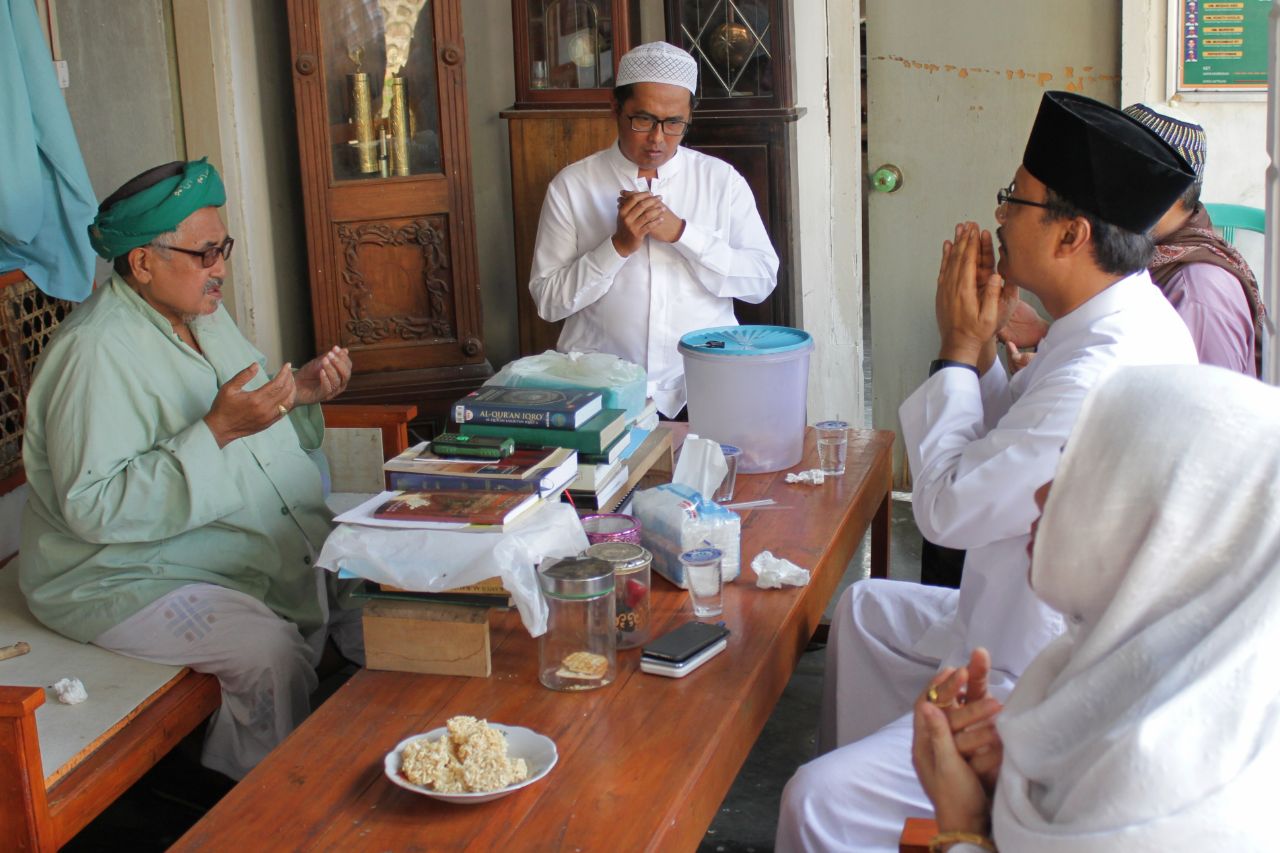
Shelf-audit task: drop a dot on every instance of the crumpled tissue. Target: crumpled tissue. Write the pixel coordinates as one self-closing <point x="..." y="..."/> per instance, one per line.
<point x="70" y="691"/>
<point x="772" y="572"/>
<point x="813" y="475"/>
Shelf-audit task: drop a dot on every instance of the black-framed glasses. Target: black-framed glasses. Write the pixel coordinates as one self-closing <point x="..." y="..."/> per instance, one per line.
<point x="208" y="257"/>
<point x="1005" y="196"/>
<point x="643" y="123"/>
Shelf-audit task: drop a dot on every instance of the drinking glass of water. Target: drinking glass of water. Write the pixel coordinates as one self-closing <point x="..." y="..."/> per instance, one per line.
<point x="833" y="444"/>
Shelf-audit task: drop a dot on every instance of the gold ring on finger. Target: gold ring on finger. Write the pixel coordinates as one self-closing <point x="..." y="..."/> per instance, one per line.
<point x="933" y="697"/>
<point x="283" y="410"/>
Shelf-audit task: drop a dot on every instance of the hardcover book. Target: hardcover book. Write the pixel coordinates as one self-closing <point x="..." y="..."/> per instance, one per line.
<point x="592" y="437"/>
<point x="545" y="471"/>
<point x="612" y="453"/>
<point x="473" y="507"/>
<point x="590" y="476"/>
<point x="547" y="408"/>
<point x="600" y="497"/>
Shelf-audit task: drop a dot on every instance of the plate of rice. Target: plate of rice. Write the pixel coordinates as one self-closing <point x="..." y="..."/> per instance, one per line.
<point x="470" y="761"/>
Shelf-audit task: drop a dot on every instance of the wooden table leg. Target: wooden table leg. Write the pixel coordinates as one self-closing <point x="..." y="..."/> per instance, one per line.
<point x="880" y="533"/>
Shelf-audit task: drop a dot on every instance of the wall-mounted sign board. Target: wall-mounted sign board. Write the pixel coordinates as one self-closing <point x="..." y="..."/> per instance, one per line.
<point x="1218" y="46"/>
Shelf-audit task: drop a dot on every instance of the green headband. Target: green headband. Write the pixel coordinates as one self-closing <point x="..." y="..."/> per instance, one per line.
<point x="160" y="208"/>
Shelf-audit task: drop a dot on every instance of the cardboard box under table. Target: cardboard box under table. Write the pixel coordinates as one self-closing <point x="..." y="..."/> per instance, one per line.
<point x="406" y="631"/>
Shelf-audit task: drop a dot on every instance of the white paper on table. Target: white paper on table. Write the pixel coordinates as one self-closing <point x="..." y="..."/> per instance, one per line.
<point x="437" y="560"/>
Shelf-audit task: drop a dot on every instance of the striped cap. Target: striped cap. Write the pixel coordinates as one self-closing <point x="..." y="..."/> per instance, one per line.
<point x="1186" y="138"/>
<point x="658" y="62"/>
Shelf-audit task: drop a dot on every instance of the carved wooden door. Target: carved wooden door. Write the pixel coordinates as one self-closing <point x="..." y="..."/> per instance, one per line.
<point x="386" y="182"/>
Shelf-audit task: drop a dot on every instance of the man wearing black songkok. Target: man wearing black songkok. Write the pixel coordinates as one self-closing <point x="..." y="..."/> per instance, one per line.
<point x="1072" y="230"/>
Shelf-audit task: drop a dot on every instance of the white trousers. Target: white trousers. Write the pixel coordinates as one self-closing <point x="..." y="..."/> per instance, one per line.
<point x="857" y="795"/>
<point x="264" y="664"/>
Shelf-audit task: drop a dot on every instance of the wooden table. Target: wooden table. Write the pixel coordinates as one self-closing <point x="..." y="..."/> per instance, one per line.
<point x="644" y="763"/>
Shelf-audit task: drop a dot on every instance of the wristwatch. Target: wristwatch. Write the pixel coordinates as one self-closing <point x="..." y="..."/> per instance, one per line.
<point x="939" y="363"/>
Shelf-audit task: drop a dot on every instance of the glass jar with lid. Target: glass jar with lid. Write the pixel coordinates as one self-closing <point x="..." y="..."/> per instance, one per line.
<point x="577" y="652"/>
<point x="631" y="564"/>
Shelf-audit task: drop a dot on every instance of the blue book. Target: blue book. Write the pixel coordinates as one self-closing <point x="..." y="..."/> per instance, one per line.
<point x="549" y="408"/>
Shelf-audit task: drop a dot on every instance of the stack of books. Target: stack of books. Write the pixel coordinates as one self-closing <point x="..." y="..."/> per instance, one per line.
<point x="474" y="491"/>
<point x="544" y="471"/>
<point x="564" y="418"/>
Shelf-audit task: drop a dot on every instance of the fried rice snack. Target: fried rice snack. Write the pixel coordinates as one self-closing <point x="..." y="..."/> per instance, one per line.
<point x="470" y="758"/>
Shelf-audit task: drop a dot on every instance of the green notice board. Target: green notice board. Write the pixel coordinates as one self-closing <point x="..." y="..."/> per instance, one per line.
<point x="1222" y="45"/>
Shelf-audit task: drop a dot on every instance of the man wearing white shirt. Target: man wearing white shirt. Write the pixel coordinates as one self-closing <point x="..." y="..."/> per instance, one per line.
<point x="1073" y="231"/>
<point x="646" y="241"/>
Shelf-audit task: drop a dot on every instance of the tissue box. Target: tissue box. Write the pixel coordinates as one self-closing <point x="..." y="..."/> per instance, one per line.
<point x="674" y="519"/>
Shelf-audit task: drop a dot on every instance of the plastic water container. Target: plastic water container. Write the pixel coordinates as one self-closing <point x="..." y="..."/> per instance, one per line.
<point x="748" y="386"/>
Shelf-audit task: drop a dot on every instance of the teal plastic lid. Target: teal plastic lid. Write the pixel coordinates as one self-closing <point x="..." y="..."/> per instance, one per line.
<point x="745" y="340"/>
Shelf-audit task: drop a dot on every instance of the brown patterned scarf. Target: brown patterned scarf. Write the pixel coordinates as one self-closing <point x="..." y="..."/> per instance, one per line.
<point x="1196" y="243"/>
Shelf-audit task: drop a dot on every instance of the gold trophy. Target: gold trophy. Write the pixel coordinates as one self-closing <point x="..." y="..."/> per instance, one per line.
<point x="399" y="128"/>
<point x="362" y="115"/>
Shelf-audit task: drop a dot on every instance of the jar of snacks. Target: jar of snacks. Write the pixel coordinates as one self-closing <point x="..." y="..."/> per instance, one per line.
<point x="631" y="565"/>
<point x="577" y="652"/>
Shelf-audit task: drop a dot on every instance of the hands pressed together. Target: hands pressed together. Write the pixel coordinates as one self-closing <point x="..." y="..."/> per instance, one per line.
<point x="956" y="750"/>
<point x="972" y="301"/>
<point x="642" y="214"/>
<point x="236" y="412"/>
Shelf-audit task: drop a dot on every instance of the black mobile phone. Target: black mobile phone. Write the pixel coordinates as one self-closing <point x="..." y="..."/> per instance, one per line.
<point x="684" y="642"/>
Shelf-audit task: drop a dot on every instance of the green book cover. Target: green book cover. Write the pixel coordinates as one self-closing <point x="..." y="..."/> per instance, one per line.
<point x="592" y="437"/>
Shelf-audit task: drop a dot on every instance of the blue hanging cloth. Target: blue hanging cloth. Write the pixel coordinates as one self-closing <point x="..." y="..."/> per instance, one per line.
<point x="46" y="200"/>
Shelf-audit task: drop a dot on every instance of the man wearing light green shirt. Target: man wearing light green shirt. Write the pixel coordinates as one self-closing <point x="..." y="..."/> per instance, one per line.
<point x="174" y="514"/>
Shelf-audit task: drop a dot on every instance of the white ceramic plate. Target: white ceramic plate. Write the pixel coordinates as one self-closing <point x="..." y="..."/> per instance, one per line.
<point x="538" y="752"/>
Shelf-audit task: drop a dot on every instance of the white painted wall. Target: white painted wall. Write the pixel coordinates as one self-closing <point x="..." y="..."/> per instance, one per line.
<point x="491" y="88"/>
<point x="828" y="191"/>
<point x="1271" y="268"/>
<point x="122" y="93"/>
<point x="237" y="95"/>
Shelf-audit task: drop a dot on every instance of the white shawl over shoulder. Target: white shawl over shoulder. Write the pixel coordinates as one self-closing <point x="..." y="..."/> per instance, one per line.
<point x="1153" y="724"/>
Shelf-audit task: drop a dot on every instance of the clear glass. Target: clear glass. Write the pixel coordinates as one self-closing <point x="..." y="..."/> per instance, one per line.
<point x="632" y="566"/>
<point x="705" y="582"/>
<point x="570" y="44"/>
<point x="730" y="39"/>
<point x="724" y="494"/>
<point x="380" y="84"/>
<point x="833" y="444"/>
<point x="578" y="651"/>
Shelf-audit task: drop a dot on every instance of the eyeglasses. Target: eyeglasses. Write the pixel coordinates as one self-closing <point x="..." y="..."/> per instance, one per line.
<point x="643" y="123"/>
<point x="1005" y="196"/>
<point x="208" y="257"/>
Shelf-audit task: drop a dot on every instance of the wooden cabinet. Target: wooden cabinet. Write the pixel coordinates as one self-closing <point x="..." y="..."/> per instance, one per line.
<point x="561" y="115"/>
<point x="746" y="116"/>
<point x="386" y="184"/>
<point x="567" y="51"/>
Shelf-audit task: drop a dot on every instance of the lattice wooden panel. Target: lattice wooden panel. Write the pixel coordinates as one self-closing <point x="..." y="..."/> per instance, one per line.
<point x="27" y="320"/>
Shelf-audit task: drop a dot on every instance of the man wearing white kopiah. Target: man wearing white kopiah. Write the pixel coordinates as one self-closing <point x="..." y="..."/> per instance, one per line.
<point x="645" y="241"/>
<point x="1073" y="231"/>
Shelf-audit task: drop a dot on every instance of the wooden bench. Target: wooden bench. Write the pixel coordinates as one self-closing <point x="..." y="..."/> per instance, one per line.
<point x="61" y="765"/>
<point x="917" y="832"/>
